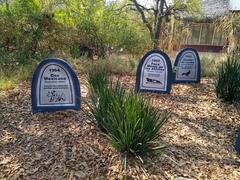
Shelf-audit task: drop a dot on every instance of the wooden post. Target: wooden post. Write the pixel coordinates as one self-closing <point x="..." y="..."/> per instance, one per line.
<point x="214" y="31"/>
<point x="200" y="35"/>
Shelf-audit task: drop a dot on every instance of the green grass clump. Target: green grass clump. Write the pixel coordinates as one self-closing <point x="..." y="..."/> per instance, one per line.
<point x="98" y="79"/>
<point x="102" y="93"/>
<point x="228" y="80"/>
<point x="7" y="83"/>
<point x="128" y="119"/>
<point x="10" y="76"/>
<point x="101" y="102"/>
<point x="134" y="125"/>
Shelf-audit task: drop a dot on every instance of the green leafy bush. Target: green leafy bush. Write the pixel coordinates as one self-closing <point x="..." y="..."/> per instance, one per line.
<point x="129" y="120"/>
<point x="228" y="80"/>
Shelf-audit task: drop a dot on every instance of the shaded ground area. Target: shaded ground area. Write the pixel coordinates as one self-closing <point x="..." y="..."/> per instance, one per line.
<point x="66" y="145"/>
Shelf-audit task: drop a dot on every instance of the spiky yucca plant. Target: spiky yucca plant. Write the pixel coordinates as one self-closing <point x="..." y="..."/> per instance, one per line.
<point x="102" y="101"/>
<point x="98" y="82"/>
<point x="134" y="125"/>
<point x="228" y="80"/>
<point x="128" y="119"/>
<point x="98" y="79"/>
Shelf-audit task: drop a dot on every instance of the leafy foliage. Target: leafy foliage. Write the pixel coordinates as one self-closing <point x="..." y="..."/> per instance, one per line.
<point x="36" y="29"/>
<point x="26" y="28"/>
<point x="227" y="84"/>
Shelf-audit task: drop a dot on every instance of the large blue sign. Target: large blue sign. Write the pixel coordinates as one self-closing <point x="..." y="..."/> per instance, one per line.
<point x="187" y="66"/>
<point x="55" y="87"/>
<point x="154" y="73"/>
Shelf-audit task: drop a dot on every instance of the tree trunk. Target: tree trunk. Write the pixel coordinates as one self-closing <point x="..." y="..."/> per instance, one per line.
<point x="155" y="41"/>
<point x="170" y="43"/>
<point x="157" y="34"/>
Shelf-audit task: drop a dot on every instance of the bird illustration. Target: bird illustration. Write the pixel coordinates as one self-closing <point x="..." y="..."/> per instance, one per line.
<point x="187" y="73"/>
<point x="153" y="81"/>
<point x="56" y="97"/>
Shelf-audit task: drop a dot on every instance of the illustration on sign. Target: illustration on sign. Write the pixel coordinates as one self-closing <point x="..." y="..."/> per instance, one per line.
<point x="154" y="73"/>
<point x="188" y="67"/>
<point x="55" y="87"/>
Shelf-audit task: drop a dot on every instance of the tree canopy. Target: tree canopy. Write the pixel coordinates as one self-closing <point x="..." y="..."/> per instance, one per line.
<point x="38" y="28"/>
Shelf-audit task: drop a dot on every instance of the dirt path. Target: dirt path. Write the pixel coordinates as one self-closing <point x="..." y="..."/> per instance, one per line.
<point x="65" y="145"/>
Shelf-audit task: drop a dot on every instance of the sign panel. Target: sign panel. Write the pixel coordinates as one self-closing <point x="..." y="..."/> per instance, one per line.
<point x="234" y="5"/>
<point x="187" y="66"/>
<point x="55" y="87"/>
<point x="154" y="73"/>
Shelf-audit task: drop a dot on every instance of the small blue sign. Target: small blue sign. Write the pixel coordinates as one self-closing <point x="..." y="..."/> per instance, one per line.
<point x="154" y="73"/>
<point x="237" y="147"/>
<point x="55" y="87"/>
<point x="187" y="66"/>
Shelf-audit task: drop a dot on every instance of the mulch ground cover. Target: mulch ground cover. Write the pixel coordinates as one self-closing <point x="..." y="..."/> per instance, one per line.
<point x="66" y="145"/>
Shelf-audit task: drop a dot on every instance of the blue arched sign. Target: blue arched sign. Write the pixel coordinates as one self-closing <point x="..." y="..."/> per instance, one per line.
<point x="237" y="147"/>
<point x="187" y="66"/>
<point x="154" y="73"/>
<point x="55" y="87"/>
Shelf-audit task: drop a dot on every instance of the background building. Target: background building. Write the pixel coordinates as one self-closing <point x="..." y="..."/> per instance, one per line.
<point x="204" y="34"/>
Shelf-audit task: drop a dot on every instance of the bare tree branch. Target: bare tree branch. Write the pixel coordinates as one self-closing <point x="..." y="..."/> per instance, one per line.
<point x="124" y="7"/>
<point x="143" y="16"/>
<point x="160" y="11"/>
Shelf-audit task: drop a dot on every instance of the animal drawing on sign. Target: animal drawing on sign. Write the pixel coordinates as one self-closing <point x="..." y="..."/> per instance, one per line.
<point x="55" y="96"/>
<point x="149" y="80"/>
<point x="187" y="73"/>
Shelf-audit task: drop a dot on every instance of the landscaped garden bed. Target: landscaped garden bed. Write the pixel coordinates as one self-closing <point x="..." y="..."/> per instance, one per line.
<point x="200" y="138"/>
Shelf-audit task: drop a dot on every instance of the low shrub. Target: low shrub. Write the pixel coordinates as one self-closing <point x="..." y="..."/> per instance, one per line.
<point x="128" y="119"/>
<point x="210" y="64"/>
<point x="115" y="64"/>
<point x="228" y="80"/>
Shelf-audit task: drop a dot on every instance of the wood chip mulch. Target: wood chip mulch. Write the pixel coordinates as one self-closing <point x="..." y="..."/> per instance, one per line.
<point x="66" y="145"/>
